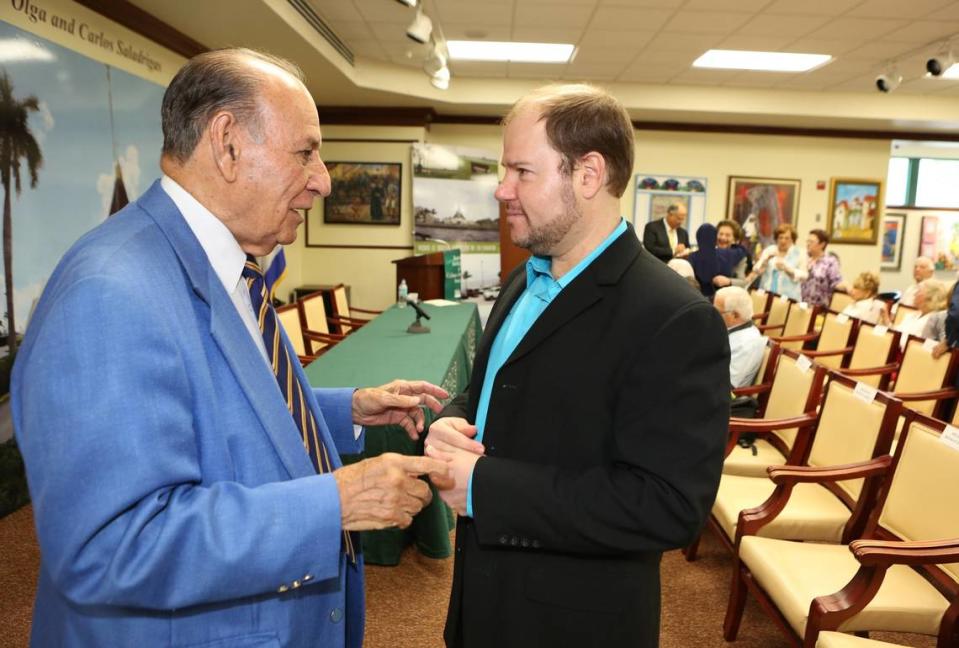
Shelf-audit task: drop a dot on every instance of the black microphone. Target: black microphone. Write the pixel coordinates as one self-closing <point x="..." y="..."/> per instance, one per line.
<point x="417" y="326"/>
<point x="419" y="311"/>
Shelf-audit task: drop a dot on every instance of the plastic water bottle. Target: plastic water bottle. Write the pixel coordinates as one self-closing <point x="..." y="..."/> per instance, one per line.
<point x="401" y="293"/>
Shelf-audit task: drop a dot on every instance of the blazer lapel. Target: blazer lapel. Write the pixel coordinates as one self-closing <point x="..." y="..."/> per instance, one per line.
<point x="584" y="291"/>
<point x="231" y="336"/>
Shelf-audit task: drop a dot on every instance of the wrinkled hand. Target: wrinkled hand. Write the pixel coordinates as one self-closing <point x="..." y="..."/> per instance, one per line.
<point x="397" y="403"/>
<point x="452" y="432"/>
<point x="721" y="282"/>
<point x="462" y="463"/>
<point x="385" y="491"/>
<point x="937" y="351"/>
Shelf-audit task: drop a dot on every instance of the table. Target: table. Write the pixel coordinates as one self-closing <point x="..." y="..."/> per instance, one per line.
<point x="376" y="354"/>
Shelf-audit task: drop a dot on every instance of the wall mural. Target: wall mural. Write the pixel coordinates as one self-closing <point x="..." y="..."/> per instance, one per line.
<point x="97" y="135"/>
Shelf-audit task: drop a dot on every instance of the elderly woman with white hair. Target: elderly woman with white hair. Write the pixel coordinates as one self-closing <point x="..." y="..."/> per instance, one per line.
<point x="931" y="299"/>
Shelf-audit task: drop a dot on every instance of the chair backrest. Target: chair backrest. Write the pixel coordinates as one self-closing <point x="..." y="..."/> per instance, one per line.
<point x="921" y="372"/>
<point x="839" y="301"/>
<point x="778" y="310"/>
<point x="856" y="423"/>
<point x="920" y="500"/>
<point x="760" y="300"/>
<point x="902" y="311"/>
<point x="799" y="321"/>
<point x="341" y="307"/>
<point x="289" y="317"/>
<point x="764" y="366"/>
<point x="314" y="318"/>
<point x="796" y="389"/>
<point x="875" y="346"/>
<point x="836" y="333"/>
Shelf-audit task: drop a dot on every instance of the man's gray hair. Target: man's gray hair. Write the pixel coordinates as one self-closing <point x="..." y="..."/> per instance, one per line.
<point x="209" y="83"/>
<point x="736" y="300"/>
<point x="673" y="208"/>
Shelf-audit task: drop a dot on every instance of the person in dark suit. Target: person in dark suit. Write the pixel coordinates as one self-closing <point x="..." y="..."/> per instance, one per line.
<point x="665" y="238"/>
<point x="591" y="437"/>
<point x="177" y="500"/>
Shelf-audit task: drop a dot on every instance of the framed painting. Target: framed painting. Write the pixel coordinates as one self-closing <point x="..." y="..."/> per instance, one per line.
<point x="893" y="231"/>
<point x="363" y="193"/>
<point x="854" y="210"/>
<point x="760" y="205"/>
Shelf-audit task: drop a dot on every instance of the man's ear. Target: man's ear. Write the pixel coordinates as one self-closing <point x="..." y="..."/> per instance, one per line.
<point x="593" y="174"/>
<point x="225" y="146"/>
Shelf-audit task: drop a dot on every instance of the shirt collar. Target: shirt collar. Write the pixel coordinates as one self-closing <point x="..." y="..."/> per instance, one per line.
<point x="224" y="253"/>
<point x="539" y="279"/>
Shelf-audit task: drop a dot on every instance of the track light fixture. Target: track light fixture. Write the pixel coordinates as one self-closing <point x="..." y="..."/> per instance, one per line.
<point x="421" y="27"/>
<point x="942" y="61"/>
<point x="436" y="67"/>
<point x="441" y="78"/>
<point x="889" y="79"/>
<point x="409" y="3"/>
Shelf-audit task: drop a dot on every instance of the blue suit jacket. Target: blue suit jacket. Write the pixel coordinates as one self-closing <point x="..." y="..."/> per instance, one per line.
<point x="173" y="497"/>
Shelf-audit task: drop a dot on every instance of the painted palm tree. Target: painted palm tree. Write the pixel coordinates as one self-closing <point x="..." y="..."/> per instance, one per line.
<point x="16" y="143"/>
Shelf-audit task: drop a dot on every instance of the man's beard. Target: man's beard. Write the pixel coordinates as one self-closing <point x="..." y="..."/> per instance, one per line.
<point x="541" y="241"/>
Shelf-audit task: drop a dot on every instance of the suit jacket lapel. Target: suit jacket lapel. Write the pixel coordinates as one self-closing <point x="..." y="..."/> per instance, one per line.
<point x="230" y="334"/>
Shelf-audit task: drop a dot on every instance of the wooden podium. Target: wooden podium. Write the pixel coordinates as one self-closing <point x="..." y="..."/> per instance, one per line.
<point x="424" y="274"/>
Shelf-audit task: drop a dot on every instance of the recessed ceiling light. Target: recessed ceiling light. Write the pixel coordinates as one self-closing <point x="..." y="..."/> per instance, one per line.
<point x="765" y="61"/>
<point x="507" y="51"/>
<point x="951" y="73"/>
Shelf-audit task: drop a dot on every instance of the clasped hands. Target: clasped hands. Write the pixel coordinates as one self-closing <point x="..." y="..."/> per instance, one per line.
<point x="450" y="440"/>
<point x="386" y="491"/>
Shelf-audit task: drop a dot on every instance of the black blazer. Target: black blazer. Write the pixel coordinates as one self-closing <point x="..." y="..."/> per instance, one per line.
<point x="604" y="447"/>
<point x="656" y="240"/>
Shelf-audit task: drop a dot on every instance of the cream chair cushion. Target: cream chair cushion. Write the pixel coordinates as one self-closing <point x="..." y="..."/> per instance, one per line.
<point x="834" y="336"/>
<point x="798" y="323"/>
<point x="794" y="573"/>
<point x="741" y="461"/>
<point x="812" y="513"/>
<point x="778" y="309"/>
<point x="871" y="350"/>
<point x="921" y="504"/>
<point x="842" y="640"/>
<point x="921" y="372"/>
<point x="290" y="320"/>
<point x="839" y="301"/>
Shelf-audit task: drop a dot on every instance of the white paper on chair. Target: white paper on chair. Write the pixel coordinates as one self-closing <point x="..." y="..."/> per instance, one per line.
<point x="950" y="436"/>
<point x="865" y="392"/>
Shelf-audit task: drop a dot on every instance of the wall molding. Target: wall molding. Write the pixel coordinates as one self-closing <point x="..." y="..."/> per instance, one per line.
<point x="145" y="24"/>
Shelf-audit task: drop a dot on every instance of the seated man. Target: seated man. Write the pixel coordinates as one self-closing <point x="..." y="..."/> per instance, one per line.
<point x="746" y="343"/>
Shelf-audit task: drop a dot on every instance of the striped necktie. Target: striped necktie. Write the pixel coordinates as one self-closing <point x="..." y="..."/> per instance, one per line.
<point x="286" y="377"/>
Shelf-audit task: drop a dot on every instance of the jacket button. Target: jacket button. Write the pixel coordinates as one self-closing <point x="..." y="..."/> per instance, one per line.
<point x="336" y="615"/>
<point x="503" y="540"/>
<point x="524" y="542"/>
<point x="514" y="541"/>
<point x="283" y="588"/>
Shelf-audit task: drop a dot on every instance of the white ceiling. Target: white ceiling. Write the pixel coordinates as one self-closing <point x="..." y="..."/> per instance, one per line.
<point x="656" y="41"/>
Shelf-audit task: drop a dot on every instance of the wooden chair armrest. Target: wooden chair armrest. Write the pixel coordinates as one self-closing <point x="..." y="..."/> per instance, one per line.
<point x="760" y="317"/>
<point x="769" y="327"/>
<point x="364" y="310"/>
<point x="816" y="474"/>
<point x="870" y="371"/>
<point x="794" y="338"/>
<point x="823" y="354"/>
<point x="767" y="425"/>
<point x="349" y="321"/>
<point x="892" y="552"/>
<point x="316" y="336"/>
<point x="935" y="394"/>
<point x="752" y="390"/>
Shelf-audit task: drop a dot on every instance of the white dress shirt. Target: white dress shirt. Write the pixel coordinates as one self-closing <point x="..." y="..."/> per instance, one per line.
<point x="746" y="346"/>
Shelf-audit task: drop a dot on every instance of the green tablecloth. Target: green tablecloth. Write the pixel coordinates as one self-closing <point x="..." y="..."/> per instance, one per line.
<point x="376" y="354"/>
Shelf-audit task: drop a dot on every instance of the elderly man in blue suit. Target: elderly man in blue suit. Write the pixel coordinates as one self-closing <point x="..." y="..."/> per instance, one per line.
<point x="177" y="500"/>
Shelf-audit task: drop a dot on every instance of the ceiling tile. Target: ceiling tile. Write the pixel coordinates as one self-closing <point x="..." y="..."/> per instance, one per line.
<point x="760" y="79"/>
<point x="706" y="22"/>
<point x="894" y="8"/>
<point x="349" y="31"/>
<point x="923" y="31"/>
<point x="697" y="76"/>
<point x="783" y="25"/>
<point x="540" y="3"/>
<point x="384" y="12"/>
<point x="653" y="4"/>
<point x="472" y="31"/>
<point x="646" y="75"/>
<point x="819" y="46"/>
<point x="600" y="71"/>
<point x="756" y="42"/>
<point x="604" y="55"/>
<point x="554" y="16"/>
<point x="626" y="19"/>
<point x="530" y="34"/>
<point x="535" y="71"/>
<point x="369" y="48"/>
<point x="803" y="82"/>
<point x="812" y="7"/>
<point x="865" y="28"/>
<point x="725" y="5"/>
<point x="336" y="10"/>
<point x="478" y="13"/>
<point x="611" y="39"/>
<point x="677" y="42"/>
<point x="949" y="12"/>
<point x="659" y="57"/>
<point x="879" y="50"/>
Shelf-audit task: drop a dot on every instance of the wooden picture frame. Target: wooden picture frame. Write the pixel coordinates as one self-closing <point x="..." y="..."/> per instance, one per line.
<point x="854" y="211"/>
<point x="893" y="233"/>
<point x="364" y="193"/>
<point x="760" y="205"/>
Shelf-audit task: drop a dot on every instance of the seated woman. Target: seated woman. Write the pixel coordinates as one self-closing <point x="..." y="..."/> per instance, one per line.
<point x="867" y="307"/>
<point x="710" y="262"/>
<point x="823" y="270"/>
<point x="931" y="298"/>
<point x="729" y="235"/>
<point x="782" y="267"/>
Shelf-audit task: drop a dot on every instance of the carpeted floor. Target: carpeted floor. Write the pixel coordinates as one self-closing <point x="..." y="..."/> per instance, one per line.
<point x="407" y="604"/>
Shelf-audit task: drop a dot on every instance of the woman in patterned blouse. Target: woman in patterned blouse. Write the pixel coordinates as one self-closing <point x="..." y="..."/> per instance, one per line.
<point x="823" y="270"/>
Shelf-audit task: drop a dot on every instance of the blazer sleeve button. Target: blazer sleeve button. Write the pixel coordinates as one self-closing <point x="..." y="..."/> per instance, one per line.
<point x="503" y="539"/>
